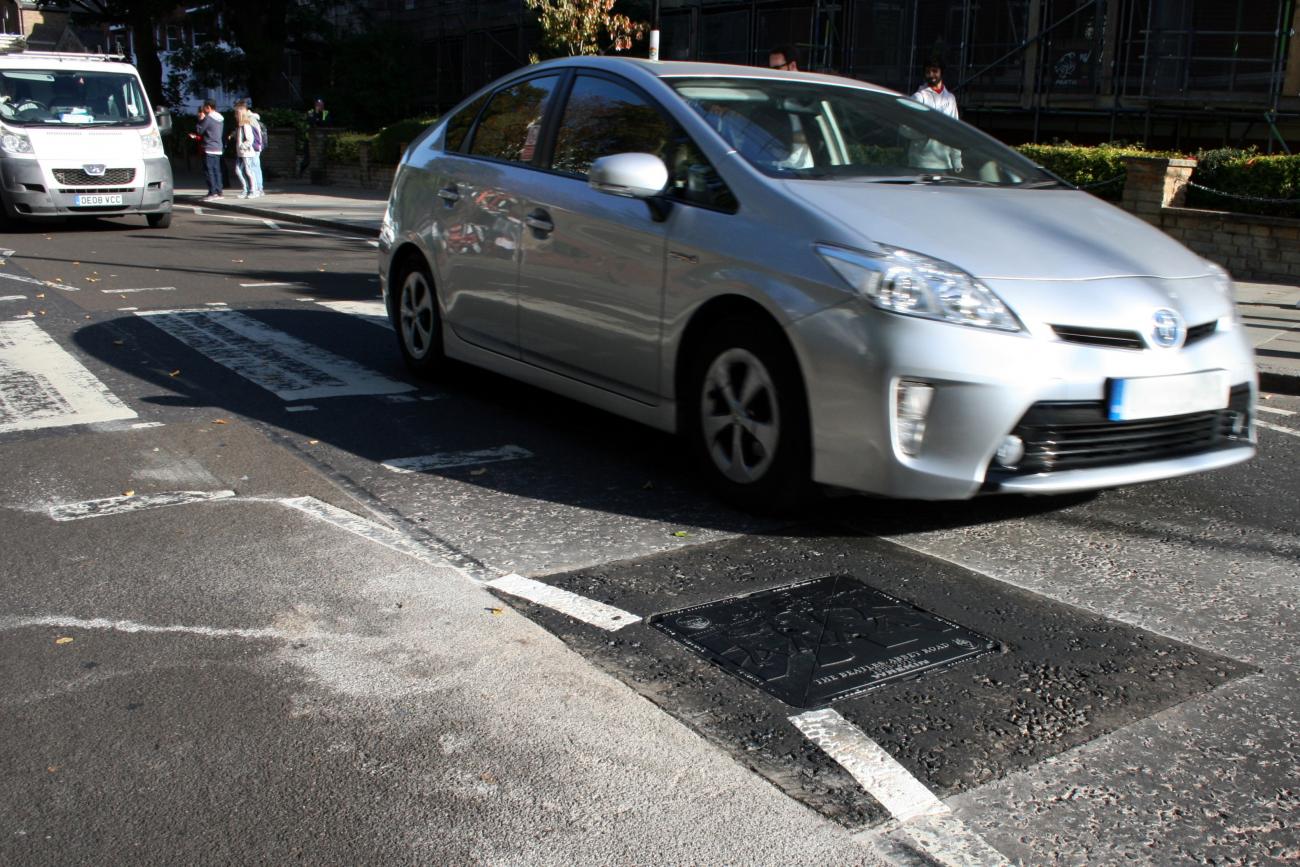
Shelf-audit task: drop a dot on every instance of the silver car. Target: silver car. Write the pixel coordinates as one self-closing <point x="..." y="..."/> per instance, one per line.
<point x="815" y="281"/>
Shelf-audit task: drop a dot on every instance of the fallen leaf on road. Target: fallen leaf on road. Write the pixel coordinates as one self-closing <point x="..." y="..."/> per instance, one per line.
<point x="219" y="421"/>
<point x="40" y="294"/>
<point x="53" y="769"/>
<point x="129" y="493"/>
<point x="119" y="342"/>
<point x="63" y="639"/>
<point x="176" y="372"/>
<point x="312" y="442"/>
<point x="493" y="610"/>
<point x="681" y="534"/>
<point x="76" y="263"/>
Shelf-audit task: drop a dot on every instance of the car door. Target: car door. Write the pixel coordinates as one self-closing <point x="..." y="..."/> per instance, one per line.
<point x="592" y="265"/>
<point x="478" y="222"/>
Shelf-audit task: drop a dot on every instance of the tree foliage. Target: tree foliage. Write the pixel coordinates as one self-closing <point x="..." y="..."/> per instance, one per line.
<point x="572" y="27"/>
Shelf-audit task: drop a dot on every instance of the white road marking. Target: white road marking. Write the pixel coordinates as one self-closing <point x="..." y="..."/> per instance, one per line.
<point x="1258" y="406"/>
<point x="368" y="529"/>
<point x="306" y="407"/>
<point x="49" y="284"/>
<point x="41" y="385"/>
<point x="11" y="622"/>
<point x="5" y="254"/>
<point x="215" y="304"/>
<point x="598" y="614"/>
<point x="142" y="289"/>
<point x="371" y="311"/>
<point x="147" y="424"/>
<point x="1278" y="428"/>
<point x="265" y="285"/>
<point x="128" y="309"/>
<point x="271" y="224"/>
<point x="13" y="297"/>
<point x="122" y="505"/>
<point x="447" y="460"/>
<point x="282" y="364"/>
<point x="923" y="817"/>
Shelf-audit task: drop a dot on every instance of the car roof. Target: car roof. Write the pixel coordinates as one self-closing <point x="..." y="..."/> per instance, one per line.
<point x="695" y="68"/>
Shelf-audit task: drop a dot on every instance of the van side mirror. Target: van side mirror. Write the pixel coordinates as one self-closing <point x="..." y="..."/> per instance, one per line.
<point x="164" y="118"/>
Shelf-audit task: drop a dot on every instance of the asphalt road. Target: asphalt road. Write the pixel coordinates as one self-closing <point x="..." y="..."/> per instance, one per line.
<point x="252" y="609"/>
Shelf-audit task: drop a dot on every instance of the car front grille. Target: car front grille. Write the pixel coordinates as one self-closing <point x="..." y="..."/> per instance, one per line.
<point x="1076" y="435"/>
<point x="1113" y="338"/>
<point x="95" y="190"/>
<point x="79" y="178"/>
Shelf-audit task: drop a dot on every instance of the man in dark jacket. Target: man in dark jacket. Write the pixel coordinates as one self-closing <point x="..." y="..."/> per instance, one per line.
<point x="208" y="130"/>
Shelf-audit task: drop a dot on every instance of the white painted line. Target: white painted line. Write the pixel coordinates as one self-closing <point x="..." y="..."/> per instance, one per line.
<point x="265" y="285"/>
<point x="122" y="505"/>
<point x="41" y="385"/>
<point x="25" y="316"/>
<point x="50" y="284"/>
<point x="1278" y="428"/>
<point x="943" y="837"/>
<point x="128" y="309"/>
<point x="13" y="297"/>
<point x="283" y="365"/>
<point x="1258" y="406"/>
<point x="215" y="304"/>
<point x="371" y="311"/>
<point x="131" y="626"/>
<point x="147" y="424"/>
<point x="902" y="794"/>
<point x="142" y="289"/>
<point x="367" y="529"/>
<point x="599" y="614"/>
<point x="306" y="407"/>
<point x="447" y="460"/>
<point x="5" y="253"/>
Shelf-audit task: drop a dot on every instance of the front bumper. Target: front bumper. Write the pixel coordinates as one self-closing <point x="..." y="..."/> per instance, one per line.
<point x="34" y="188"/>
<point x="985" y="383"/>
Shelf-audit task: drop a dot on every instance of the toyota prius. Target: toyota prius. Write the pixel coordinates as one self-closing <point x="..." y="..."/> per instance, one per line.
<point x="816" y="282"/>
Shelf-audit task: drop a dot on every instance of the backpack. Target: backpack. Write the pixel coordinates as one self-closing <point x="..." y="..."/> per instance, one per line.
<point x="259" y="136"/>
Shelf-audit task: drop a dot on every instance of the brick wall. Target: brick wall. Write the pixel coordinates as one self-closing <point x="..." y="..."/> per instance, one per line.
<point x="1251" y="247"/>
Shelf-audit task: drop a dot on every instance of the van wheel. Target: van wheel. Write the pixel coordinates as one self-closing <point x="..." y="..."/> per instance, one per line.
<point x="159" y="221"/>
<point x="747" y="416"/>
<point x="416" y="319"/>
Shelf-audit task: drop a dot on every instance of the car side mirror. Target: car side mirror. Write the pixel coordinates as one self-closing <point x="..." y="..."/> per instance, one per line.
<point x="164" y="119"/>
<point x="636" y="176"/>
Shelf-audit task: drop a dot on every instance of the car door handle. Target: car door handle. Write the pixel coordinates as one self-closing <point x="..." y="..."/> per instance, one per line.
<point x="449" y="195"/>
<point x="540" y="221"/>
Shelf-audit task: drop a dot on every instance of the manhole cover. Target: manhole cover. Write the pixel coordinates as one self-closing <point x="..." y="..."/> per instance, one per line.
<point x="817" y="641"/>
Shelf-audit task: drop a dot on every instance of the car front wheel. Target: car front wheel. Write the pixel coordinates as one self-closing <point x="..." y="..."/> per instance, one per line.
<point x="749" y="418"/>
<point x="419" y="327"/>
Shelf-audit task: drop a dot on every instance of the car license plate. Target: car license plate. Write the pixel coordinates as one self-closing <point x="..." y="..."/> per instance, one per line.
<point x="98" y="200"/>
<point x="1160" y="396"/>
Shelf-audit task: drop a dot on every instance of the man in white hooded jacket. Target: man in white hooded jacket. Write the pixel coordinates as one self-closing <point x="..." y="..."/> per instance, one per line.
<point x="929" y="153"/>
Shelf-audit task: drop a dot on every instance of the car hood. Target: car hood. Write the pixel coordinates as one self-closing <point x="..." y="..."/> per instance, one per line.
<point x="1004" y="234"/>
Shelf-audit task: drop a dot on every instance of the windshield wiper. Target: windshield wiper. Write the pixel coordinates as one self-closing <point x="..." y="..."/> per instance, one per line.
<point x="928" y="178"/>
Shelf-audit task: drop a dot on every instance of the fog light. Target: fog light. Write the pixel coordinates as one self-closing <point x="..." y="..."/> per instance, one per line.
<point x="911" y="406"/>
<point x="1010" y="452"/>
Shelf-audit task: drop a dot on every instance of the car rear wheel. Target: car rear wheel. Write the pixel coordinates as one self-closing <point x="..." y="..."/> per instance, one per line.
<point x="415" y="316"/>
<point x="748" y="421"/>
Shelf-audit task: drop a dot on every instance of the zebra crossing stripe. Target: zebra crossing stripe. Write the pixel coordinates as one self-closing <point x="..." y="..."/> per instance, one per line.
<point x="370" y="311"/>
<point x="283" y="365"/>
<point x="119" y="505"/>
<point x="42" y="385"/>
<point x="448" y="460"/>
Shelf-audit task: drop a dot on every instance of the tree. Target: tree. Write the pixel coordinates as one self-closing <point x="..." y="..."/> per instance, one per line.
<point x="571" y="27"/>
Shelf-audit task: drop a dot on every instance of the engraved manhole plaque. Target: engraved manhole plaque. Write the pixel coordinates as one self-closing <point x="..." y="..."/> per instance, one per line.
<point x="817" y="641"/>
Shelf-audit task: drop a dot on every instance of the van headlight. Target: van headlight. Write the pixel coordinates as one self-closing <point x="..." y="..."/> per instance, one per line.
<point x="13" y="142"/>
<point x="151" y="143"/>
<point x="913" y="284"/>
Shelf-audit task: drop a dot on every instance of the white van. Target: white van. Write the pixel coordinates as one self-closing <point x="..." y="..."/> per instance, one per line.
<point x="78" y="137"/>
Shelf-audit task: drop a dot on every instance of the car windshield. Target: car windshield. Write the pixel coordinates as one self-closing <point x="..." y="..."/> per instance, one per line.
<point x="821" y="131"/>
<point x="56" y="97"/>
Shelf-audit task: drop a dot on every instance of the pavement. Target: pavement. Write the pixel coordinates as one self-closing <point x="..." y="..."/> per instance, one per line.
<point x="1270" y="311"/>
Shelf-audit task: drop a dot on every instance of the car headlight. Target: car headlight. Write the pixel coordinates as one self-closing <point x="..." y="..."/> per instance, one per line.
<point x="12" y="142"/>
<point x="151" y="143"/>
<point x="912" y="284"/>
<point x="1223" y="284"/>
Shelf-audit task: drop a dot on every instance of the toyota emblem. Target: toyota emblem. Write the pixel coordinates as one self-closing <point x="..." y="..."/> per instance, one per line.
<point x="1168" y="330"/>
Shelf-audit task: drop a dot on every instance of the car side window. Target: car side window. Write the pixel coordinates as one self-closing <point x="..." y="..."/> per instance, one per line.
<point x="602" y="118"/>
<point x="512" y="122"/>
<point x="458" y="126"/>
<point x="693" y="179"/>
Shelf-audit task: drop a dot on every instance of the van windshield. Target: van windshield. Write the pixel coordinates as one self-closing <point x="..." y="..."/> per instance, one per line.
<point x="817" y="131"/>
<point x="56" y="97"/>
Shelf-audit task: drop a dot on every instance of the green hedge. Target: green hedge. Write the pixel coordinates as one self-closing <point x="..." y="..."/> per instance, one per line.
<point x="393" y="139"/>
<point x="345" y="147"/>
<point x="1248" y="173"/>
<point x="1098" y="169"/>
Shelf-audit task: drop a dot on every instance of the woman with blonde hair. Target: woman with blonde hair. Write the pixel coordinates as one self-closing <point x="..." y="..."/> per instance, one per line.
<point x="246" y="154"/>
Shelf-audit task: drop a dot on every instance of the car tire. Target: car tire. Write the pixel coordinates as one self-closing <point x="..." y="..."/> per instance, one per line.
<point x="747" y="416"/>
<point x="159" y="221"/>
<point x="415" y="317"/>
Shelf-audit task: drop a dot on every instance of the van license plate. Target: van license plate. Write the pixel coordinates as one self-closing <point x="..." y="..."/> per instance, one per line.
<point x="97" y="200"/>
<point x="1160" y="396"/>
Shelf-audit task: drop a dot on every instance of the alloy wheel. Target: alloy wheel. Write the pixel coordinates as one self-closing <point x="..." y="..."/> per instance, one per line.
<point x="740" y="416"/>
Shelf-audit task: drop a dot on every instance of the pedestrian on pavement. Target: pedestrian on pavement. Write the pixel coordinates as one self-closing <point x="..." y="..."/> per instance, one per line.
<point x="249" y="148"/>
<point x="929" y="153"/>
<point x="208" y="131"/>
<point x="318" y="116"/>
